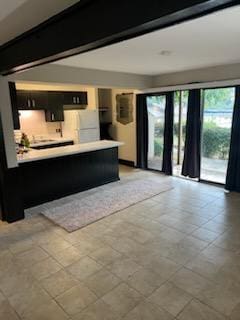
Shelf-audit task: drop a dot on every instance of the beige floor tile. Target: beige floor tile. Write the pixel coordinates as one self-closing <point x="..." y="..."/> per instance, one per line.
<point x="172" y="235"/>
<point x="76" y="299"/>
<point x="88" y="245"/>
<point x="15" y="280"/>
<point x="189" y="281"/>
<point x="30" y="257"/>
<point x="177" y="224"/>
<point x="180" y="253"/>
<point x="215" y="227"/>
<point x="124" y="245"/>
<point x="170" y="298"/>
<point x="102" y="282"/>
<point x="123" y="268"/>
<point x="223" y="298"/>
<point x="235" y="313"/>
<point x="47" y="311"/>
<point x="145" y="281"/>
<point x="7" y="312"/>
<point x="140" y="235"/>
<point x="105" y="255"/>
<point x="84" y="268"/>
<point x="55" y="246"/>
<point x="202" y="266"/>
<point x="199" y="311"/>
<point x="122" y="299"/>
<point x="58" y="283"/>
<point x="26" y="300"/>
<point x="149" y="311"/>
<point x="164" y="267"/>
<point x="97" y="311"/>
<point x="205" y="234"/>
<point x="22" y="245"/>
<point x="229" y="240"/>
<point x="45" y="268"/>
<point x="67" y="256"/>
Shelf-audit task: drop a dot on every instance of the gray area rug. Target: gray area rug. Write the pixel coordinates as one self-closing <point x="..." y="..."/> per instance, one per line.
<point x="101" y="202"/>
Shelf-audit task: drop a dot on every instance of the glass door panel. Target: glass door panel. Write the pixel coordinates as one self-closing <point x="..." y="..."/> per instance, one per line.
<point x="156" y="115"/>
<point x="216" y="133"/>
<point x="179" y="129"/>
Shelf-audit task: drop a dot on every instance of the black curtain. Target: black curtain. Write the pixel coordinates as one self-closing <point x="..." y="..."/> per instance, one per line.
<point x="233" y="171"/>
<point x="191" y="161"/>
<point x="168" y="134"/>
<point x="142" y="131"/>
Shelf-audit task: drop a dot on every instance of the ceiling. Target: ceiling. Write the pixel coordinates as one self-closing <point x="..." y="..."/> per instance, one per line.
<point x="207" y="41"/>
<point x="18" y="16"/>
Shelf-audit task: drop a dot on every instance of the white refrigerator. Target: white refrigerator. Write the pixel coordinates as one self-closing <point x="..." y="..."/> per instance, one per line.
<point x="81" y="125"/>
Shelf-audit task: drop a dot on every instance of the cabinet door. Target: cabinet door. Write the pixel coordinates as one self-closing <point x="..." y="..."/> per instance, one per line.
<point x="39" y="100"/>
<point x="24" y="100"/>
<point x="54" y="115"/>
<point x="72" y="98"/>
<point x="83" y="98"/>
<point x="54" y="110"/>
<point x="15" y="113"/>
<point x="55" y="100"/>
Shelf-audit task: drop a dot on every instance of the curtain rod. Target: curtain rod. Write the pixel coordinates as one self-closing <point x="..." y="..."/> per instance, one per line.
<point x="198" y="85"/>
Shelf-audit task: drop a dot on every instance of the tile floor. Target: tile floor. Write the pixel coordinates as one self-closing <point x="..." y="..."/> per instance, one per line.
<point x="174" y="256"/>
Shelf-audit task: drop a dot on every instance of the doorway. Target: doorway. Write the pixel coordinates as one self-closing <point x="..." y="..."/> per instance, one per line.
<point x="216" y="133"/>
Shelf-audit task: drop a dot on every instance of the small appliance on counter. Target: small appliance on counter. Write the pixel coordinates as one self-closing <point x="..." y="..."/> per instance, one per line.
<point x="81" y="125"/>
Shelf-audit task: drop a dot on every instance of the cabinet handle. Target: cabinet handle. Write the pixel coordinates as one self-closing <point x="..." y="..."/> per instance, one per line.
<point x="29" y="103"/>
<point x="74" y="100"/>
<point x="78" y="100"/>
<point x="33" y="103"/>
<point x="53" y="117"/>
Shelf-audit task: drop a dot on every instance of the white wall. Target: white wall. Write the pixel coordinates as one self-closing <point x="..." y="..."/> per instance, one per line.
<point x="68" y="75"/>
<point x="227" y="72"/>
<point x="7" y="123"/>
<point x="125" y="133"/>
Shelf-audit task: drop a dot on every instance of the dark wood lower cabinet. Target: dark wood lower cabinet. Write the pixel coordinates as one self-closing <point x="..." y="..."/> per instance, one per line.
<point x="50" y="179"/>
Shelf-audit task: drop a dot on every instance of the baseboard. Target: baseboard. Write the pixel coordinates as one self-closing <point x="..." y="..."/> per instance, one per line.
<point x="127" y="163"/>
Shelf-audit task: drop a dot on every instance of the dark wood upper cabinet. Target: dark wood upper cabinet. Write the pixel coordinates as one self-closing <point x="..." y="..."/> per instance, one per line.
<point x="79" y="98"/>
<point x="39" y="99"/>
<point x="32" y="100"/>
<point x="54" y="111"/>
<point x="50" y="101"/>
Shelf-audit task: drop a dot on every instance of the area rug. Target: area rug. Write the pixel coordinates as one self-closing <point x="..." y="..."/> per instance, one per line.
<point x="103" y="202"/>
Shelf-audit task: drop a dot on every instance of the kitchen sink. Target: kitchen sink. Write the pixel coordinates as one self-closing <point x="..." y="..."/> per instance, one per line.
<point x="42" y="141"/>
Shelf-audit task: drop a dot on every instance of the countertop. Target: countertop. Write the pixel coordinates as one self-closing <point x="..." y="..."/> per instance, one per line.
<point x="50" y="142"/>
<point x="35" y="155"/>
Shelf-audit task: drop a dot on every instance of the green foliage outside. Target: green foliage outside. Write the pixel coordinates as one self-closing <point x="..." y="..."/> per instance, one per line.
<point x="158" y="147"/>
<point x="215" y="141"/>
<point x="219" y="99"/>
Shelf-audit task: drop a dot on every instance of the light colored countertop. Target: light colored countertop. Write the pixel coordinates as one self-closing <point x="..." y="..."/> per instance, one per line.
<point x="35" y="155"/>
<point x="49" y="142"/>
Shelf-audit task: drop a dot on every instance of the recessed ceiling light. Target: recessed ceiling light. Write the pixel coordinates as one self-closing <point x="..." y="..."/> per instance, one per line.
<point x="165" y="53"/>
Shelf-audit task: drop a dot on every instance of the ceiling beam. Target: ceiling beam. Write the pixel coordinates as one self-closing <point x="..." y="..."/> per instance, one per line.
<point x="91" y="24"/>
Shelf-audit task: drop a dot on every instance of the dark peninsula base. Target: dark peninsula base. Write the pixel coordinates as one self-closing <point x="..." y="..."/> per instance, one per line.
<point x="50" y="179"/>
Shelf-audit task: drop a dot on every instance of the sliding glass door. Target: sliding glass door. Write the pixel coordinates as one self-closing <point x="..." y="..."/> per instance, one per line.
<point x="156" y="115"/>
<point x="216" y="132"/>
<point x="179" y="129"/>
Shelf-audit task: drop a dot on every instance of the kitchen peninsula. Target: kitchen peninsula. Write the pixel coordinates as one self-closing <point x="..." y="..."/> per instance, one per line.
<point x="50" y="174"/>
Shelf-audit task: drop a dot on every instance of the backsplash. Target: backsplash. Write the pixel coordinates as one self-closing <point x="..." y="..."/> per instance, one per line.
<point x="33" y="123"/>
